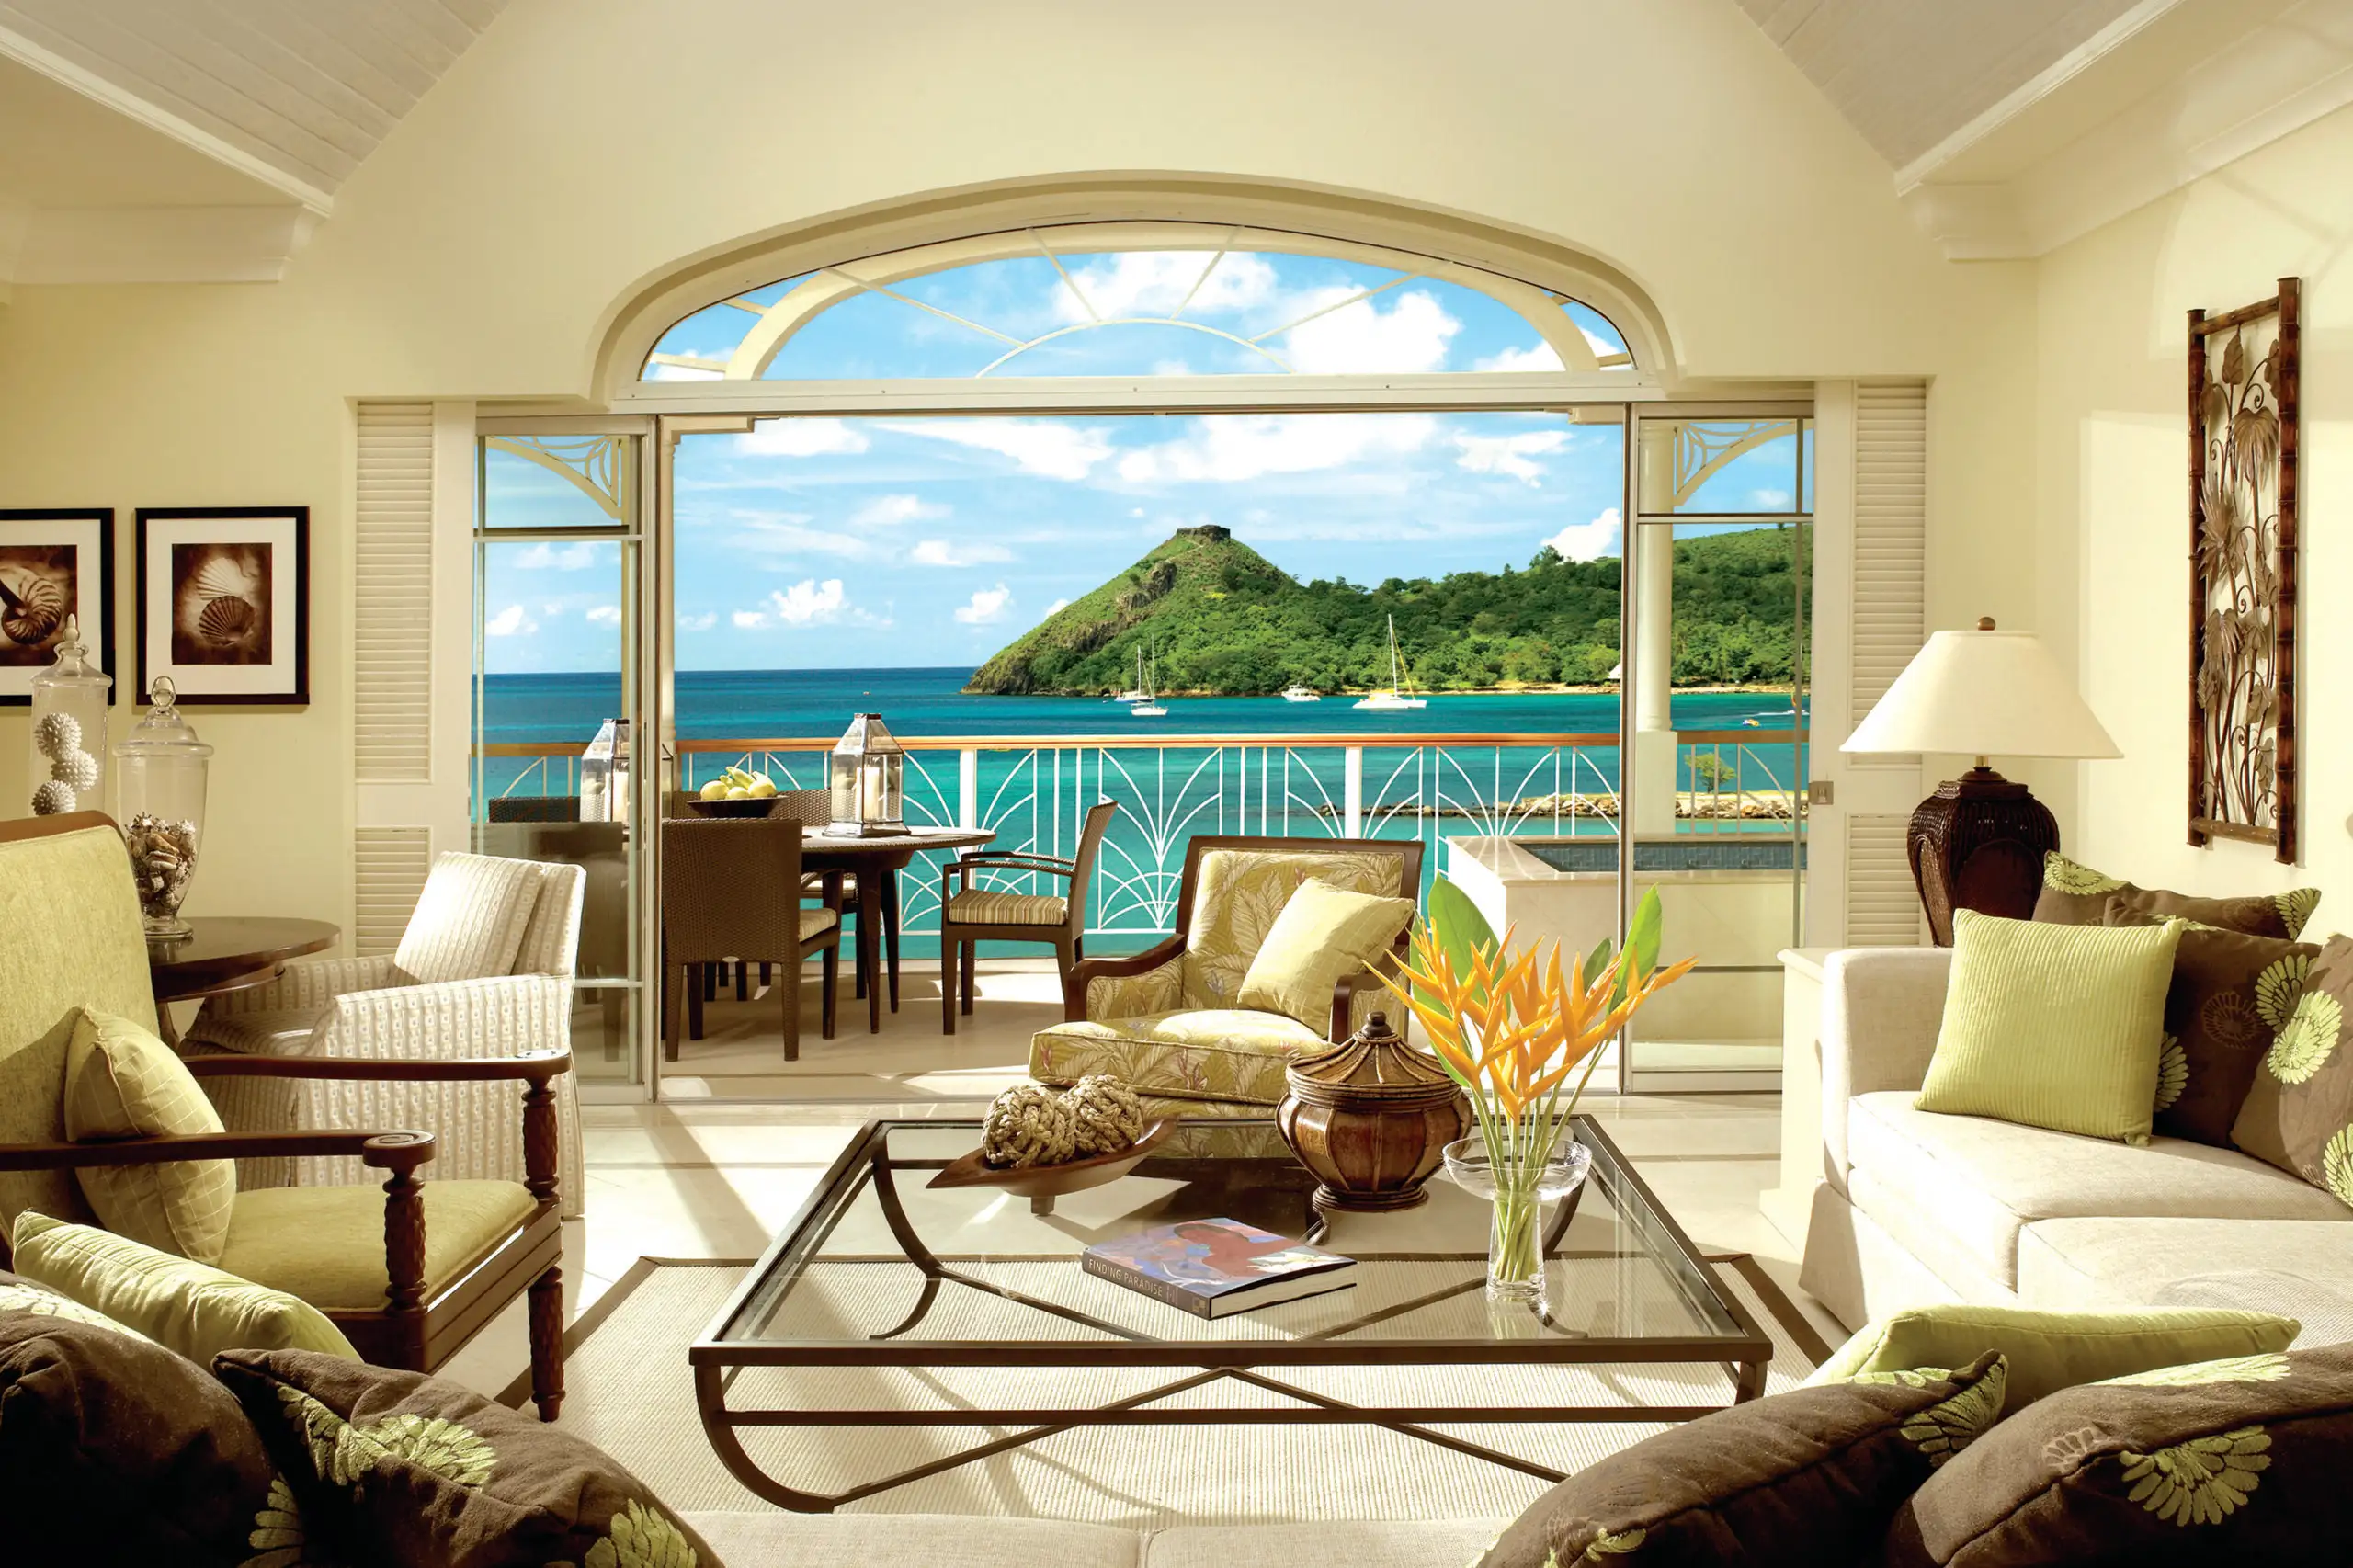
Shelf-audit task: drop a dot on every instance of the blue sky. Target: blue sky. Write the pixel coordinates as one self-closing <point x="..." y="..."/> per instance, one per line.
<point x="826" y="544"/>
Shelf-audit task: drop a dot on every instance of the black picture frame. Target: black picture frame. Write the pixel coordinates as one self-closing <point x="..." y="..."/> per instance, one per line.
<point x="19" y="528"/>
<point x="287" y="680"/>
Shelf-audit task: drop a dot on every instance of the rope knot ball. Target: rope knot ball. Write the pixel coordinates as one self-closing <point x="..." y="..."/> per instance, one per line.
<point x="1030" y="1124"/>
<point x="1106" y="1115"/>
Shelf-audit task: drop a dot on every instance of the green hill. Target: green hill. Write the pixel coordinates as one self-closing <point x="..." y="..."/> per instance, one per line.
<point x="1221" y="619"/>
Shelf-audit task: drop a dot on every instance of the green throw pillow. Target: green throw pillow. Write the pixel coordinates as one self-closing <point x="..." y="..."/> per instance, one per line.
<point x="192" y="1308"/>
<point x="2053" y="1026"/>
<point x="2049" y="1351"/>
<point x="1322" y="935"/>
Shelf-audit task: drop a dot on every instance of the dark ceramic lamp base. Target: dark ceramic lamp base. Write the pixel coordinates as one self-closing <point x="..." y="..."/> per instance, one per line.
<point x="1978" y="844"/>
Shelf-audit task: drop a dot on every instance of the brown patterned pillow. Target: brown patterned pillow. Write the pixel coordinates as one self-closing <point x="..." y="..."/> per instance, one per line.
<point x="2230" y="993"/>
<point x="2074" y="895"/>
<point x="2220" y="1462"/>
<point x="2299" y="1110"/>
<point x="115" y="1451"/>
<point x="1807" y="1477"/>
<point x="408" y="1470"/>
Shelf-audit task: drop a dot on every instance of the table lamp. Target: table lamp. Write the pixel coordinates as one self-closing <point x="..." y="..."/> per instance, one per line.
<point x="1979" y="841"/>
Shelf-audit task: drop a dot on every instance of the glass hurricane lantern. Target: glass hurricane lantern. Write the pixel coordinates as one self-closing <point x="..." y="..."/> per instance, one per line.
<point x="162" y="767"/>
<point x="865" y="775"/>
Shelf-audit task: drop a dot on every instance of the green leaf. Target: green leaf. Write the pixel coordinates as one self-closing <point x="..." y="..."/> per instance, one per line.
<point x="1599" y="960"/>
<point x="1460" y="929"/>
<point x="1642" y="935"/>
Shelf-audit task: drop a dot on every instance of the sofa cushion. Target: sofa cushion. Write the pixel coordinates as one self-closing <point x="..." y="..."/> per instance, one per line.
<point x="1203" y="1054"/>
<point x="2237" y="1461"/>
<point x="468" y="921"/>
<point x="182" y="1305"/>
<point x="1359" y="1543"/>
<point x="1957" y="1189"/>
<point x="1240" y="893"/>
<point x="994" y="906"/>
<point x="396" y="1467"/>
<point x="122" y="1082"/>
<point x="2067" y="1265"/>
<point x="772" y="1538"/>
<point x="19" y="1294"/>
<point x="1807" y="1477"/>
<point x="2299" y="1111"/>
<point x="2053" y="1026"/>
<point x="264" y="1031"/>
<point x="2325" y="1307"/>
<point x="114" y="1453"/>
<point x="2075" y="894"/>
<point x="2229" y="995"/>
<point x="326" y="1243"/>
<point x="1324" y="936"/>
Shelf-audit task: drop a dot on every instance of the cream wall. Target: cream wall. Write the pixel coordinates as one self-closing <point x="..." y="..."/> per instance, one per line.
<point x="583" y="146"/>
<point x="2114" y="500"/>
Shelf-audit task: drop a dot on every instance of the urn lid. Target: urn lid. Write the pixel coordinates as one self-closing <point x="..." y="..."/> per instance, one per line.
<point x="1373" y="1063"/>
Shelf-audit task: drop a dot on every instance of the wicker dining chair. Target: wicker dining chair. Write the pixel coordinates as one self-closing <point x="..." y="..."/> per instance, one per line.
<point x="815" y="808"/>
<point x="970" y="915"/>
<point x="731" y="888"/>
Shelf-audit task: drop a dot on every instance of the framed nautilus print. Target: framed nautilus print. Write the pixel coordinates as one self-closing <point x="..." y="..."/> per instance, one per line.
<point x="224" y="602"/>
<point x="56" y="564"/>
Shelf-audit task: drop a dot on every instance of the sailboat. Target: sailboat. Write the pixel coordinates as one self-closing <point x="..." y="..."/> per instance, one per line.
<point x="1300" y="692"/>
<point x="1397" y="696"/>
<point x="1138" y="692"/>
<point x="1146" y="707"/>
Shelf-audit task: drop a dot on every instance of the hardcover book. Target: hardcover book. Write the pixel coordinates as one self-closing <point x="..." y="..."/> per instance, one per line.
<point x="1214" y="1267"/>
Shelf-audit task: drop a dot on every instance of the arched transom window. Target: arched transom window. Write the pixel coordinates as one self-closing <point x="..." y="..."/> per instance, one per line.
<point x="1132" y="300"/>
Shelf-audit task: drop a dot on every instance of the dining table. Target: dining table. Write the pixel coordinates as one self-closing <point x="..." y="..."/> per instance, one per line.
<point x="875" y="860"/>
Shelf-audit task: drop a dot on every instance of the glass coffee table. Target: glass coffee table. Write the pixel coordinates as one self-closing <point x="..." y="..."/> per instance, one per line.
<point x="888" y="1304"/>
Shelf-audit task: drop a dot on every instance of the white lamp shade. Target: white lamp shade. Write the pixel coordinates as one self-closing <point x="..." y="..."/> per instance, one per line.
<point x="1983" y="693"/>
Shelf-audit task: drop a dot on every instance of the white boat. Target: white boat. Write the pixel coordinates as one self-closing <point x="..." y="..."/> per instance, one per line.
<point x="1138" y="692"/>
<point x="1145" y="707"/>
<point x="1296" y="693"/>
<point x="1398" y="694"/>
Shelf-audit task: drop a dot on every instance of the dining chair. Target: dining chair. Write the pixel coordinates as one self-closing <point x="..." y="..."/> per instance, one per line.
<point x="858" y="895"/>
<point x="732" y="890"/>
<point x="971" y="914"/>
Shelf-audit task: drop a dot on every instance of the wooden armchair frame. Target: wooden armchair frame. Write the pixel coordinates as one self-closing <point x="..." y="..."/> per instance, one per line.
<point x="1344" y="995"/>
<point x="410" y="1331"/>
<point x="960" y="940"/>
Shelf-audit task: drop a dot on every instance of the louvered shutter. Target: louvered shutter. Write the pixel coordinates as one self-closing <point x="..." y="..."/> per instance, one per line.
<point x="1882" y="902"/>
<point x="392" y="619"/>
<point x="1890" y="542"/>
<point x="390" y="865"/>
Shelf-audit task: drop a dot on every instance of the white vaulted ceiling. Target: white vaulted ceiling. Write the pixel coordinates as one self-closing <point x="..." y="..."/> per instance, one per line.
<point x="294" y="93"/>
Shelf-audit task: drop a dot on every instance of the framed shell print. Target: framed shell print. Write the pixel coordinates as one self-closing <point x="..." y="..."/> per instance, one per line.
<point x="224" y="602"/>
<point x="55" y="562"/>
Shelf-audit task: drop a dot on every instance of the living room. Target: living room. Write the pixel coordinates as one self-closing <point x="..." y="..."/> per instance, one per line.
<point x="416" y="386"/>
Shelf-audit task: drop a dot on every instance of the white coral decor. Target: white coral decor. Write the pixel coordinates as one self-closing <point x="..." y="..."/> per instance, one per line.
<point x="53" y="799"/>
<point x="77" y="768"/>
<point x="58" y="733"/>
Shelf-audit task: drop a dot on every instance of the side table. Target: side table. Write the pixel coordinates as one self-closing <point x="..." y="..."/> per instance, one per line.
<point x="228" y="953"/>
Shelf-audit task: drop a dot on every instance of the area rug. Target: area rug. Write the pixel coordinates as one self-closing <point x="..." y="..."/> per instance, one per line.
<point x="632" y="1394"/>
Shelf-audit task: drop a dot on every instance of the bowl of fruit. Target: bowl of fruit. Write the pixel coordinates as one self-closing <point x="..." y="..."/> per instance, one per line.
<point x="736" y="794"/>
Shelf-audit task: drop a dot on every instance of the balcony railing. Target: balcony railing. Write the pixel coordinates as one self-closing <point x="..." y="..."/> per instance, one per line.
<point x="1033" y="792"/>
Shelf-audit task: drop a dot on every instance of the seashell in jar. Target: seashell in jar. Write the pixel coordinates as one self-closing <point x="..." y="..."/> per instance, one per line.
<point x="31" y="607"/>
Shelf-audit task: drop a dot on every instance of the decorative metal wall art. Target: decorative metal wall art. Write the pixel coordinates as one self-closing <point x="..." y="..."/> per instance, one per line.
<point x="2242" y="370"/>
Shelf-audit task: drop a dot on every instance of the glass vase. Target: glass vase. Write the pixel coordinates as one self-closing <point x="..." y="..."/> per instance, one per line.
<point x="161" y="769"/>
<point x="1519" y="1188"/>
<point x="69" y="730"/>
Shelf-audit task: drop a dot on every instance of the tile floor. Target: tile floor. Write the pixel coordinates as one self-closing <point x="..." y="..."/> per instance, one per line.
<point x="718" y="1167"/>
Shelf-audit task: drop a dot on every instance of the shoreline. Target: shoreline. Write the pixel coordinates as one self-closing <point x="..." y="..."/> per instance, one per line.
<point x="1608" y="689"/>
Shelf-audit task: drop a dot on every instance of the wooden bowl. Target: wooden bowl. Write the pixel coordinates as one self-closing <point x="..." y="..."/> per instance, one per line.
<point x="753" y="808"/>
<point x="1052" y="1181"/>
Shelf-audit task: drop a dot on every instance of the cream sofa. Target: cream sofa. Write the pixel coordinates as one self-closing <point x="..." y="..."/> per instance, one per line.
<point x="1917" y="1208"/>
<point x="928" y="1540"/>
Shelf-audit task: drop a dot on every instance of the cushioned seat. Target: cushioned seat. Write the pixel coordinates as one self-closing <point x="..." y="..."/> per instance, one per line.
<point x="1212" y="1053"/>
<point x="1956" y="1190"/>
<point x="2084" y="1263"/>
<point x="326" y="1243"/>
<point x="815" y="920"/>
<point x="277" y="1031"/>
<point x="991" y="906"/>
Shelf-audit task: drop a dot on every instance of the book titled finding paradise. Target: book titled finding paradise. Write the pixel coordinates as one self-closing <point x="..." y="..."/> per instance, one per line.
<point x="1212" y="1268"/>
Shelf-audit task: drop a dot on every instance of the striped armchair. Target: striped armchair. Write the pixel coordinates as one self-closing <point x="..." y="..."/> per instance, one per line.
<point x="483" y="969"/>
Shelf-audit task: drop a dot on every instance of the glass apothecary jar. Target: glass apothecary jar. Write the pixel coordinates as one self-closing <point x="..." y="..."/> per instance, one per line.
<point x="162" y="767"/>
<point x="69" y="733"/>
<point x="865" y="775"/>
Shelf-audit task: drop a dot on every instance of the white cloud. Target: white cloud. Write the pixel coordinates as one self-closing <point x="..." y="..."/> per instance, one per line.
<point x="1589" y="541"/>
<point x="808" y="601"/>
<point x="604" y="615"/>
<point x="1045" y="447"/>
<point x="1536" y="356"/>
<point x="749" y="619"/>
<point x="1770" y="500"/>
<point x="1411" y="334"/>
<point x="940" y="552"/>
<point x="988" y="606"/>
<point x="704" y="622"/>
<point x="680" y="373"/>
<point x="1507" y="454"/>
<point x="786" y="533"/>
<point x="1153" y="283"/>
<point x="509" y="623"/>
<point x="1602" y="348"/>
<point x="545" y="556"/>
<point x="1243" y="446"/>
<point x="888" y="511"/>
<point x="1054" y="610"/>
<point x="800" y="438"/>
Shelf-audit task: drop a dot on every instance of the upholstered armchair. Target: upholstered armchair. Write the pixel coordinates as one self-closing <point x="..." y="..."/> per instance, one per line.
<point x="484" y="969"/>
<point x="1168" y="1021"/>
<point x="408" y="1273"/>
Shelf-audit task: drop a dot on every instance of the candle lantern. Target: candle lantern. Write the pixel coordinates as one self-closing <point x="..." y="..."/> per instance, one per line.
<point x="162" y="765"/>
<point x="69" y="714"/>
<point x="865" y="773"/>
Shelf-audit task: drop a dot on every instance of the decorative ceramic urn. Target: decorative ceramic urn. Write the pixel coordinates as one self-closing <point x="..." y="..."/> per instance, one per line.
<point x="1370" y="1117"/>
